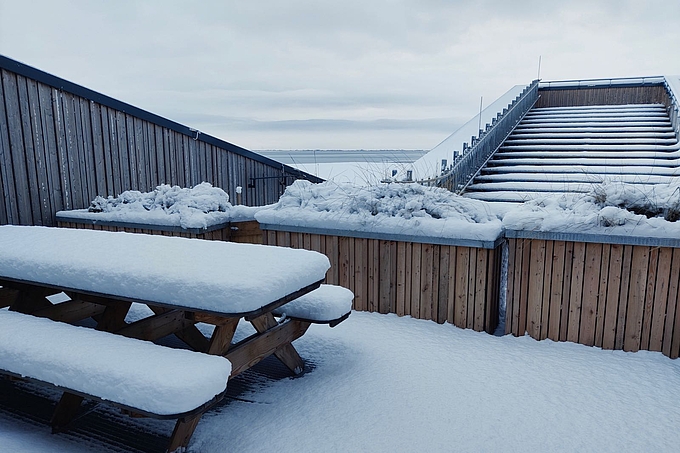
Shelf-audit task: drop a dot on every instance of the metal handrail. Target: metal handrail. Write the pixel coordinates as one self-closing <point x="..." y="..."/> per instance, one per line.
<point x="467" y="166"/>
<point x="651" y="80"/>
<point x="674" y="109"/>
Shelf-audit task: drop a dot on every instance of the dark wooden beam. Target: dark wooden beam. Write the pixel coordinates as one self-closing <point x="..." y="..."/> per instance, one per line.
<point x="253" y="349"/>
<point x="157" y="326"/>
<point x="222" y="336"/>
<point x="189" y="335"/>
<point x="66" y="410"/>
<point x="286" y="353"/>
<point x="70" y="311"/>
<point x="8" y="296"/>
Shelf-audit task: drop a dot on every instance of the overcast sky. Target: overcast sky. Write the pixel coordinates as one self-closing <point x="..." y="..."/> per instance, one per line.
<point x="311" y="74"/>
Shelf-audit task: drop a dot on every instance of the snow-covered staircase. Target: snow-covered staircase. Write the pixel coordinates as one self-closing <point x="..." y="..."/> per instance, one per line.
<point x="568" y="149"/>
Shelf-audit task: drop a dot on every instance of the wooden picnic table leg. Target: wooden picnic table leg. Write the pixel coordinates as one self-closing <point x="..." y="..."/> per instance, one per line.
<point x="66" y="410"/>
<point x="222" y="336"/>
<point x="285" y="353"/>
<point x="8" y="296"/>
<point x="113" y="318"/>
<point x="190" y="335"/>
<point x="184" y="429"/>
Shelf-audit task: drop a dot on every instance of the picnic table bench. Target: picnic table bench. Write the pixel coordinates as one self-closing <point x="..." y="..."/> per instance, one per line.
<point x="183" y="282"/>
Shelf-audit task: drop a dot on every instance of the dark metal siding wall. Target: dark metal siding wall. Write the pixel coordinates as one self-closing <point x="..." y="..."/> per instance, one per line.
<point x="614" y="95"/>
<point x="61" y="145"/>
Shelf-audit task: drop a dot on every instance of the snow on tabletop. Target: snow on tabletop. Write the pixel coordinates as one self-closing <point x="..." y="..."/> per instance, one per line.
<point x="135" y="373"/>
<point x="326" y="303"/>
<point x="409" y="209"/>
<point x="199" y="207"/>
<point x="612" y="208"/>
<point x="215" y="276"/>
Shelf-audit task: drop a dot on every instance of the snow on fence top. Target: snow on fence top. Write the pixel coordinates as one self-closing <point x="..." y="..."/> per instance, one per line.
<point x="610" y="209"/>
<point x="214" y="276"/>
<point x="392" y="209"/>
<point x="199" y="207"/>
<point x="420" y="213"/>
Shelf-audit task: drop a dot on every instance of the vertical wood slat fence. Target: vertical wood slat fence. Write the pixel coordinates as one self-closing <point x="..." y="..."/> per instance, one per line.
<point x="443" y="283"/>
<point x="613" y="296"/>
<point x="245" y="232"/>
<point x="62" y="144"/>
<point x="603" y="95"/>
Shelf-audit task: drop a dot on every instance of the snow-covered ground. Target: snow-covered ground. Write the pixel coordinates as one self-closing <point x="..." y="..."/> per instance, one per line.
<point x="386" y="384"/>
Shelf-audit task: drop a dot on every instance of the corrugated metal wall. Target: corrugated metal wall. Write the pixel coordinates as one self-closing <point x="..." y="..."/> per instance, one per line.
<point x="62" y="144"/>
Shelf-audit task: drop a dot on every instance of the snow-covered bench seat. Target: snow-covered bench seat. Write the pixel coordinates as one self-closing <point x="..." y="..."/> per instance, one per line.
<point x="328" y="304"/>
<point x="138" y="376"/>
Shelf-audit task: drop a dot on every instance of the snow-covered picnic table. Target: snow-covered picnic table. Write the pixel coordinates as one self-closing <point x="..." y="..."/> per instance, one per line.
<point x="183" y="281"/>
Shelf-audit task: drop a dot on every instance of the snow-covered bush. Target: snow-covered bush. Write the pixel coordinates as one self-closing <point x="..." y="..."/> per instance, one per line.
<point x="388" y="208"/>
<point x="649" y="200"/>
<point x="172" y="199"/>
<point x="199" y="207"/>
<point x="611" y="207"/>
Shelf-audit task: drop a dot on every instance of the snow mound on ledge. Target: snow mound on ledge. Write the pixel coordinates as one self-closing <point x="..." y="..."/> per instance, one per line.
<point x="198" y="207"/>
<point x="386" y="208"/>
<point x="610" y="208"/>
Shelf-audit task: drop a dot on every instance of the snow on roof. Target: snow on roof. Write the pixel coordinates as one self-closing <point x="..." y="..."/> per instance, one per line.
<point x="202" y="206"/>
<point x="407" y="209"/>
<point x="217" y="276"/>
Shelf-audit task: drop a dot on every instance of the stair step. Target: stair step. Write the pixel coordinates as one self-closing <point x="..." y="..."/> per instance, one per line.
<point x="582" y="169"/>
<point x="633" y="124"/>
<point x="675" y="163"/>
<point x="515" y="196"/>
<point x="512" y="140"/>
<point x="593" y="129"/>
<point x="599" y="108"/>
<point x="581" y="133"/>
<point x="569" y="150"/>
<point x="640" y="178"/>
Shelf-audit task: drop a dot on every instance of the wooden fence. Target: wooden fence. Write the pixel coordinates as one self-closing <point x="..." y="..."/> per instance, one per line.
<point x="443" y="283"/>
<point x="602" y="95"/>
<point x="245" y="232"/>
<point x="614" y="296"/>
<point x="62" y="144"/>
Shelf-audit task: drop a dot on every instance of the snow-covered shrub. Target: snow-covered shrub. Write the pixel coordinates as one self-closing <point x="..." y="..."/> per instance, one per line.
<point x="645" y="210"/>
<point x="387" y="207"/>
<point x="173" y="199"/>
<point x="198" y="207"/>
<point x="648" y="200"/>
